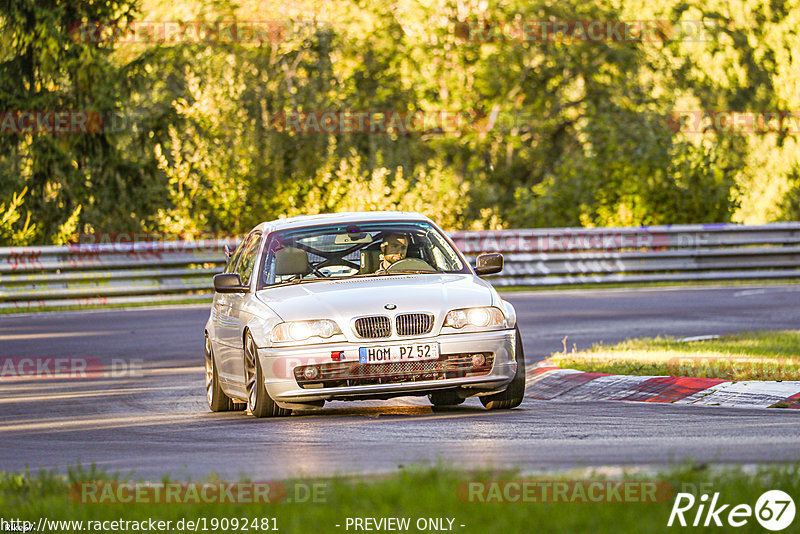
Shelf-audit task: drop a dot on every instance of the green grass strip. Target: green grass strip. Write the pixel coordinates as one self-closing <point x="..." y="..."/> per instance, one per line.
<point x="430" y="492"/>
<point x="769" y="355"/>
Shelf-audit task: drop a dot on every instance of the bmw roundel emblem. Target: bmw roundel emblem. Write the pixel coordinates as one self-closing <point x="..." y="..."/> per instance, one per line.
<point x="390" y="306"/>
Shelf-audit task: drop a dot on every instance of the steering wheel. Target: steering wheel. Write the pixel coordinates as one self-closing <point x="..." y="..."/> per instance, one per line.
<point x="410" y="264"/>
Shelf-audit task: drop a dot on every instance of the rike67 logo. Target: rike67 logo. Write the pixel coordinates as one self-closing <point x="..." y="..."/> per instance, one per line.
<point x="774" y="510"/>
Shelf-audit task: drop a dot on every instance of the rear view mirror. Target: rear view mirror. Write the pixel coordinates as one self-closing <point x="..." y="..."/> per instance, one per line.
<point x="229" y="283"/>
<point x="348" y="239"/>
<point x="489" y="264"/>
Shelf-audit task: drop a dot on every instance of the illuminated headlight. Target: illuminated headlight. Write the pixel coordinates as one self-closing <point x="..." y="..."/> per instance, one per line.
<point x="302" y="330"/>
<point x="479" y="317"/>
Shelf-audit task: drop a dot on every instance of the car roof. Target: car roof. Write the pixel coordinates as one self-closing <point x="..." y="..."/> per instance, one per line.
<point x="301" y="221"/>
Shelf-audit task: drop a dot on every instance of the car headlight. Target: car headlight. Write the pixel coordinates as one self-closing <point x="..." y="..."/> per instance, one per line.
<point x="485" y="317"/>
<point x="302" y="330"/>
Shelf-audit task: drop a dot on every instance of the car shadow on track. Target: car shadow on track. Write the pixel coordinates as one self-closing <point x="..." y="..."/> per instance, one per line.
<point x="372" y="412"/>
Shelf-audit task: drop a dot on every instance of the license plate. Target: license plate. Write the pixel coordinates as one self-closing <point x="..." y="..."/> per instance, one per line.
<point x="399" y="353"/>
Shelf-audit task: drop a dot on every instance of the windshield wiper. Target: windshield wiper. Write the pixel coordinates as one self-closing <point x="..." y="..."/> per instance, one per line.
<point x="415" y="271"/>
<point x="392" y="273"/>
<point x="297" y="281"/>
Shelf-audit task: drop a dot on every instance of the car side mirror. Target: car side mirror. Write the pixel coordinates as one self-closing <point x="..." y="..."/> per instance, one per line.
<point x="488" y="264"/>
<point x="229" y="283"/>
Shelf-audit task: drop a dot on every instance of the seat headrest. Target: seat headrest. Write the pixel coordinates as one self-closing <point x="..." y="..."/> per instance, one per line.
<point x="290" y="260"/>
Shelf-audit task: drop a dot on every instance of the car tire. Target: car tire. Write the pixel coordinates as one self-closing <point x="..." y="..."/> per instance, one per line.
<point x="259" y="403"/>
<point x="217" y="400"/>
<point x="445" y="398"/>
<point x="515" y="392"/>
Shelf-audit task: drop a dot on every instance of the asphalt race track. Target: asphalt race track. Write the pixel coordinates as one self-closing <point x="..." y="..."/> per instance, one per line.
<point x="157" y="421"/>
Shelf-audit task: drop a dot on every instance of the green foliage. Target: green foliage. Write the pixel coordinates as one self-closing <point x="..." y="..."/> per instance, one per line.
<point x="745" y="356"/>
<point x="480" y="500"/>
<point x="67" y="230"/>
<point x="12" y="233"/>
<point x="745" y="61"/>
<point x="553" y="133"/>
<point x="353" y="187"/>
<point x="621" y="181"/>
<point x="790" y="204"/>
<point x="46" y="68"/>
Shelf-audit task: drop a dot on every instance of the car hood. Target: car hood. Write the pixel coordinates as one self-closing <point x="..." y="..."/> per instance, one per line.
<point x="344" y="299"/>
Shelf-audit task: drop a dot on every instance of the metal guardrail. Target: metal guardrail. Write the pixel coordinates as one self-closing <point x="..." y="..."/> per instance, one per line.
<point x="702" y="252"/>
<point x="109" y="273"/>
<point x="152" y="272"/>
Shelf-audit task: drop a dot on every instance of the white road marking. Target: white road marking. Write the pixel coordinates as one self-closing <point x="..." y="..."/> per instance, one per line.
<point x="12" y="337"/>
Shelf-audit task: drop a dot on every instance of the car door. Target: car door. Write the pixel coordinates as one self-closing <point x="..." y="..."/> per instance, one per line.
<point x="232" y="365"/>
<point x="224" y="326"/>
<point x="220" y="307"/>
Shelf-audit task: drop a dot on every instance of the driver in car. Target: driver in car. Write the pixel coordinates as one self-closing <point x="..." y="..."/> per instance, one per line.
<point x="393" y="249"/>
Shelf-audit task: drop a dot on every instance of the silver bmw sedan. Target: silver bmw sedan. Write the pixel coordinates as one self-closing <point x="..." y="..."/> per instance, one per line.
<point x="354" y="306"/>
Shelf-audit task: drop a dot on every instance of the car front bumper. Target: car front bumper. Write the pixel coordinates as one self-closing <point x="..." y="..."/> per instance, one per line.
<point x="278" y="365"/>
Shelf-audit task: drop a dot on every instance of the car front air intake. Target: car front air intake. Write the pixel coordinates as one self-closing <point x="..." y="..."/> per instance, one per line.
<point x="414" y="324"/>
<point x="373" y="327"/>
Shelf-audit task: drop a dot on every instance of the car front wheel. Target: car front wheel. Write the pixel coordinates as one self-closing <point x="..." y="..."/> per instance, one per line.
<point x="258" y="400"/>
<point x="515" y="392"/>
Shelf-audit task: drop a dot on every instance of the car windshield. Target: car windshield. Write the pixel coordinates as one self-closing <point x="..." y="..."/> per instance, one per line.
<point x="361" y="249"/>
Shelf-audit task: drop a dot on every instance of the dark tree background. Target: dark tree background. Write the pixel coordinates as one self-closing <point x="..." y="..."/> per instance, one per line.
<point x="553" y="132"/>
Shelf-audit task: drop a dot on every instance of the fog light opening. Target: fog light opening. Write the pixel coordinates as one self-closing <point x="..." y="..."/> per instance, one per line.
<point x="311" y="372"/>
<point x="478" y="360"/>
